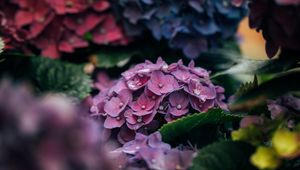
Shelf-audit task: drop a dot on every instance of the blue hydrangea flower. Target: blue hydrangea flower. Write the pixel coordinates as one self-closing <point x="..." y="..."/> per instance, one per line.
<point x="190" y="25"/>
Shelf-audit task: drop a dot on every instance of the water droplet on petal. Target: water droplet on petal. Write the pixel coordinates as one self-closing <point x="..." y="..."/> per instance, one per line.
<point x="140" y="119"/>
<point x="161" y="108"/>
<point x="196" y="92"/>
<point x="179" y="107"/>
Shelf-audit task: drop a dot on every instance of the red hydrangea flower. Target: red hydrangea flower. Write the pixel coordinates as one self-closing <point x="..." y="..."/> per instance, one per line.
<point x="35" y="14"/>
<point x="83" y="23"/>
<point x="60" y="26"/>
<point x="68" y="6"/>
<point x="153" y="91"/>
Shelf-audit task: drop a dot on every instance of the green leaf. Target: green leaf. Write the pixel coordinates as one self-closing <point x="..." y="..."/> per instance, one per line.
<point x="225" y="155"/>
<point x="114" y="58"/>
<point x="2" y="44"/>
<point x="282" y="84"/>
<point x="218" y="60"/>
<point x="248" y="66"/>
<point x="47" y="75"/>
<point x="198" y="128"/>
<point x="245" y="87"/>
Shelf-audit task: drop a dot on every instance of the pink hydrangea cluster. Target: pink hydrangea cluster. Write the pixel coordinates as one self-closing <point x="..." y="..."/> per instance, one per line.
<point x="156" y="89"/>
<point x="149" y="152"/>
<point x="61" y="26"/>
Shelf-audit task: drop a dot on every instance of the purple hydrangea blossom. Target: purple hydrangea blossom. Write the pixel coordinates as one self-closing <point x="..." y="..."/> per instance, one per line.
<point x="149" y="152"/>
<point x="47" y="133"/>
<point x="251" y="120"/>
<point x="190" y="25"/>
<point x="287" y="105"/>
<point x="150" y="91"/>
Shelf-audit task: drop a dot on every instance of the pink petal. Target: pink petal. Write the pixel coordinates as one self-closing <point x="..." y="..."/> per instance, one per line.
<point x="179" y="98"/>
<point x="65" y="47"/>
<point x="111" y="122"/>
<point x="112" y="107"/>
<point x="130" y="118"/>
<point x="153" y="88"/>
<point x="23" y="18"/>
<point x="101" y="6"/>
<point x="170" y="84"/>
<point x="51" y="51"/>
<point x="176" y="112"/>
<point x="83" y="24"/>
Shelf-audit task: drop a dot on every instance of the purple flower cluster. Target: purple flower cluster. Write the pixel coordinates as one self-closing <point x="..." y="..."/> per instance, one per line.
<point x="151" y="89"/>
<point x="149" y="152"/>
<point x="285" y="106"/>
<point x="190" y="25"/>
<point x="47" y="133"/>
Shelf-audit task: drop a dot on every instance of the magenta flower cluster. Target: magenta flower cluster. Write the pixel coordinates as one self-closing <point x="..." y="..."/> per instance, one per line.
<point x="151" y="89"/>
<point x="151" y="152"/>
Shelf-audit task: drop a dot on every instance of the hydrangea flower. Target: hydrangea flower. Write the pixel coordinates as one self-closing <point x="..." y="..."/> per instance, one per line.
<point x="279" y="22"/>
<point x="285" y="106"/>
<point x="149" y="91"/>
<point x="47" y="133"/>
<point x="150" y="152"/>
<point x="12" y="37"/>
<point x="61" y="26"/>
<point x="192" y="25"/>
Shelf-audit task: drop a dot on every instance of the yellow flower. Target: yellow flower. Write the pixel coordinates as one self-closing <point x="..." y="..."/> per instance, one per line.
<point x="249" y="134"/>
<point x="239" y="134"/>
<point x="286" y="143"/>
<point x="265" y="158"/>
